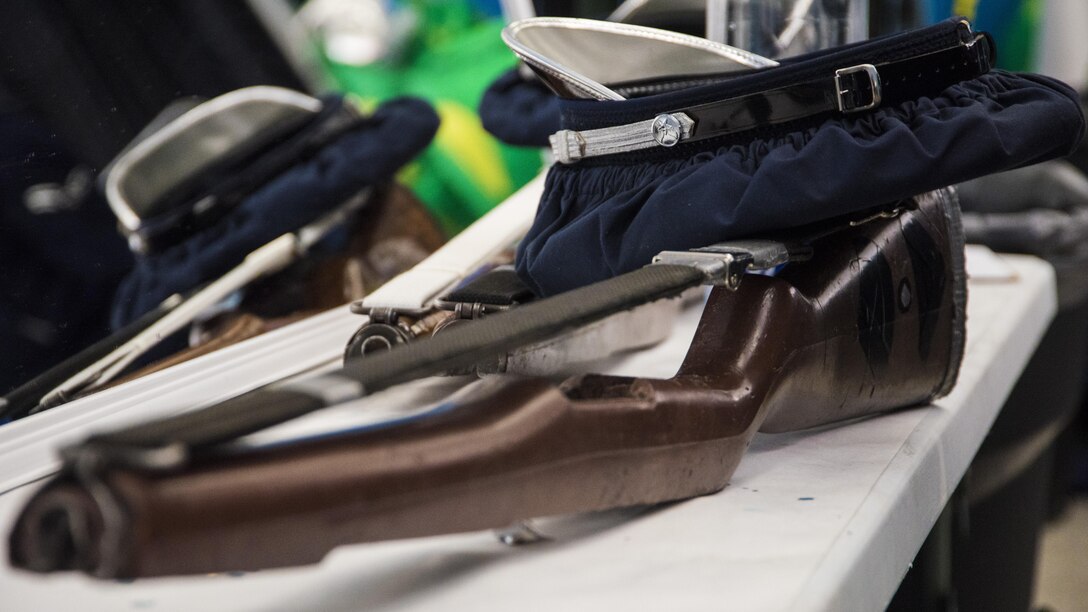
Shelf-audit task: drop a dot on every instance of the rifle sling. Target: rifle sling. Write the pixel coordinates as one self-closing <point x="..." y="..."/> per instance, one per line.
<point x="169" y="443"/>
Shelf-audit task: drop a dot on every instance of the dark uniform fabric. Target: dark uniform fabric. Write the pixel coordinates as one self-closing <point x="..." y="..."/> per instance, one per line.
<point x="83" y="79"/>
<point x="60" y="266"/>
<point x="520" y="111"/>
<point x="98" y="72"/>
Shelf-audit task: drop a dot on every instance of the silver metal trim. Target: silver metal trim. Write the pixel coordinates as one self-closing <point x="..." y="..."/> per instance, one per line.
<point x="124" y="165"/>
<point x="764" y="254"/>
<point x="725" y="263"/>
<point x="569" y="146"/>
<point x="577" y="81"/>
<point x="539" y="62"/>
<point x="719" y="269"/>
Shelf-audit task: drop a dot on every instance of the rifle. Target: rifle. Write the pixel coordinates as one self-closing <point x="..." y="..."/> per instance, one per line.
<point x="872" y="321"/>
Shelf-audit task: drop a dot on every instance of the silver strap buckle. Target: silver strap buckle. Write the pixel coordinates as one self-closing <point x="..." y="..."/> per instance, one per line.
<point x="847" y="90"/>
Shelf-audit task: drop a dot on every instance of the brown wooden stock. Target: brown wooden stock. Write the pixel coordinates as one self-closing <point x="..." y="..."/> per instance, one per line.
<point x="869" y="324"/>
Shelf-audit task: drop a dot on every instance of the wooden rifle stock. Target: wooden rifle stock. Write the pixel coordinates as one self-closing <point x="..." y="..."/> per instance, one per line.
<point x="875" y="321"/>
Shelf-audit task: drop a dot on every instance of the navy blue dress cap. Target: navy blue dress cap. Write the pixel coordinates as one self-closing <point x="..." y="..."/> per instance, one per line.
<point x="369" y="154"/>
<point x="611" y="214"/>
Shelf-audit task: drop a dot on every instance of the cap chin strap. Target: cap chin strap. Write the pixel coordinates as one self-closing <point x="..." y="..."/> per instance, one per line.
<point x="851" y="89"/>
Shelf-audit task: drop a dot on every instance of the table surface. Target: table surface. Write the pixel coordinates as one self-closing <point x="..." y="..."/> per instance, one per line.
<point x="826" y="519"/>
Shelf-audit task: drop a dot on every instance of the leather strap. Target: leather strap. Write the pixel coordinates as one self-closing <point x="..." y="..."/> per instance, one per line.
<point x="851" y="90"/>
<point x="171" y="442"/>
<point x="848" y="90"/>
<point x="499" y="287"/>
<point x="174" y="441"/>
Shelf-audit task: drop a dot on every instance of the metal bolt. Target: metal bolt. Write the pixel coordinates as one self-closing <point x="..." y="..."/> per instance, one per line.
<point x="667" y="130"/>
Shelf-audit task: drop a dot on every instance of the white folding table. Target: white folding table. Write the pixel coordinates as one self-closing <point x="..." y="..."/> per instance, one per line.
<point x="825" y="519"/>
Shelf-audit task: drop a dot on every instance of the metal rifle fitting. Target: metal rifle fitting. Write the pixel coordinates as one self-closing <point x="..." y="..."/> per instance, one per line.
<point x="725" y="263"/>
